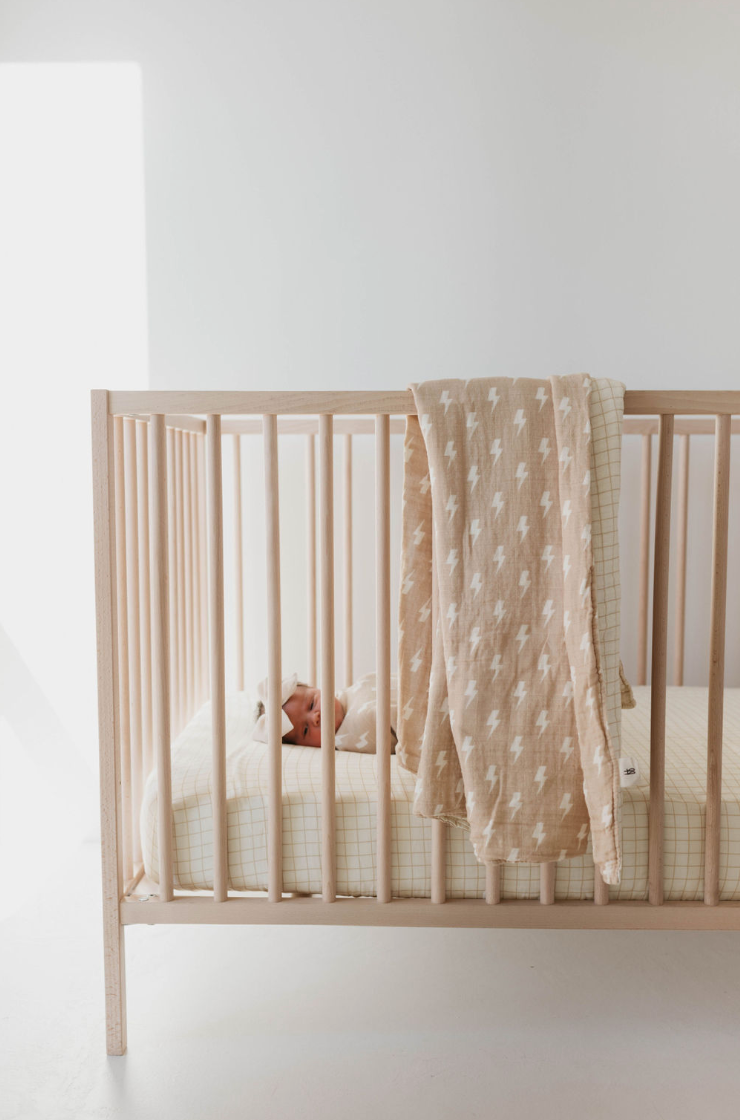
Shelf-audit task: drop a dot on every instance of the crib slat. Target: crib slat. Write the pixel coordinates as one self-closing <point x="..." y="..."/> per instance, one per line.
<point x="142" y="459"/>
<point x="326" y="578"/>
<point x="547" y="883"/>
<point x="187" y="569"/>
<point x="493" y="883"/>
<point x="383" y="652"/>
<point x="439" y="861"/>
<point x="192" y="439"/>
<point x="173" y="634"/>
<point x="181" y="621"/>
<point x="203" y="562"/>
<point x="717" y="658"/>
<point x="348" y="620"/>
<point x="123" y="659"/>
<point x="659" y="660"/>
<point x="682" y="527"/>
<point x="238" y="566"/>
<point x="274" y="663"/>
<point x="158" y="525"/>
<point x="601" y="889"/>
<point x="218" y="666"/>
<point x="644" y="599"/>
<point x="134" y="629"/>
<point x="311" y="556"/>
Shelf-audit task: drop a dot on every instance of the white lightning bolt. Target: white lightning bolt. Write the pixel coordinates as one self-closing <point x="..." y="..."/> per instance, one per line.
<point x="419" y="535"/>
<point x="513" y="855"/>
<point x="496" y="665"/>
<point x="548" y="610"/>
<point x="567" y="510"/>
<point x="585" y="645"/>
<point x="524" y="582"/>
<point x="452" y="613"/>
<point x="452" y="505"/>
<point x="489" y="830"/>
<point x="547" y="555"/>
<point x="515" y="804"/>
<point x="473" y="476"/>
<point x="598" y="758"/>
<point x="493" y="398"/>
<point x="474" y="639"/>
<point x="516" y="748"/>
<point x="426" y="424"/>
<point x="541" y="777"/>
<point x="542" y="721"/>
<point x="566" y="805"/>
<point x="523" y="526"/>
<point x="424" y="484"/>
<point x="568" y="692"/>
<point x="471" y="423"/>
<point x="451" y="667"/>
<point x="607" y="816"/>
<point x="450" y="451"/>
<point x="425" y="611"/>
<point x="520" y="420"/>
<point x="520" y="692"/>
<point x="539" y="833"/>
<point x="522" y="636"/>
<point x="496" y="451"/>
<point x="590" y="700"/>
<point x="441" y="762"/>
<point x="362" y="741"/>
<point x="567" y="748"/>
<point x="408" y="583"/>
<point x="493" y="721"/>
<point x="586" y="535"/>
<point x="491" y="776"/>
<point x="582" y="832"/>
<point x="471" y="692"/>
<point x="564" y="406"/>
<point x="566" y="458"/>
<point x="498" y="502"/>
<point x="566" y="566"/>
<point x="499" y="611"/>
<point x="467" y="746"/>
<point x="446" y="400"/>
<point x="475" y="583"/>
<point x="521" y="474"/>
<point x="499" y="556"/>
<point x="408" y="711"/>
<point x="587" y="481"/>
<point x="544" y="449"/>
<point x="544" y="665"/>
<point x="416" y="661"/>
<point x="452" y="560"/>
<point x="566" y="620"/>
<point x="444" y="710"/>
<point x="541" y="396"/>
<point x="474" y="529"/>
<point x="546" y="503"/>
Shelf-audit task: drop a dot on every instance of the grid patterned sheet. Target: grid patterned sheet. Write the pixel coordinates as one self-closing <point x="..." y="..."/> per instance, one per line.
<point x="411" y="852"/>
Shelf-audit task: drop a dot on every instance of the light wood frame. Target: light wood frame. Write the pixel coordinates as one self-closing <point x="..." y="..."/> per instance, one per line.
<point x="159" y="571"/>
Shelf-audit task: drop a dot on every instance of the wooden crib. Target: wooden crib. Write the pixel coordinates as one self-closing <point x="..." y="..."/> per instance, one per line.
<point x="158" y="510"/>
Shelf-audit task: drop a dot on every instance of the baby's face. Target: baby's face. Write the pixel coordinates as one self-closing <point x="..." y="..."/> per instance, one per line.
<point x="304" y="711"/>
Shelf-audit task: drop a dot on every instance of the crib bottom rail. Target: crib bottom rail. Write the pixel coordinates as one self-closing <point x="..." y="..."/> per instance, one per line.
<point x="143" y="907"/>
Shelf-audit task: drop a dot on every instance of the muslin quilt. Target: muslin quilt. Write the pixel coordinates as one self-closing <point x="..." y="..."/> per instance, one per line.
<point x="502" y="699"/>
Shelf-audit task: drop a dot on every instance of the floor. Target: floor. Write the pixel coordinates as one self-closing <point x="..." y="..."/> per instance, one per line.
<point x="330" y="1023"/>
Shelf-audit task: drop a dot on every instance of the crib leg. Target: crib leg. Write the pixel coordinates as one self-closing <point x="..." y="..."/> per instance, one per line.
<point x="115" y="988"/>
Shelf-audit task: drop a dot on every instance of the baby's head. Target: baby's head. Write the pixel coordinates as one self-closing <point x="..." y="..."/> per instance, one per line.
<point x="302" y="708"/>
<point x="304" y="712"/>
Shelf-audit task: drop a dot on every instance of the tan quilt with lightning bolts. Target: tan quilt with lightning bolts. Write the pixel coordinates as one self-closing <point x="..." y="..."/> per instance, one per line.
<point x="502" y="698"/>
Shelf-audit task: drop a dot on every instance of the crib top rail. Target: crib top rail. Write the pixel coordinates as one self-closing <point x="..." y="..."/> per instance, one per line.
<point x="637" y="402"/>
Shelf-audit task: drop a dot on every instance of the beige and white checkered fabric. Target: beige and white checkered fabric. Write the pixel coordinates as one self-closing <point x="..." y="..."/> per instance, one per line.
<point x="247" y="783"/>
<point x="504" y="706"/>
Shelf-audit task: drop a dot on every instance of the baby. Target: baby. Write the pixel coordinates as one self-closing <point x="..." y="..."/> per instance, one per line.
<point x="354" y="713"/>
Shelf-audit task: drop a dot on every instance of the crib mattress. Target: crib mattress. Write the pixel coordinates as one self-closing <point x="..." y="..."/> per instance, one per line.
<point x="356" y="808"/>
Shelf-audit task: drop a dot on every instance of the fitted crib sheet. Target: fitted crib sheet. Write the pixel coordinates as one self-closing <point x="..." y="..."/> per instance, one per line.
<point x="356" y="808"/>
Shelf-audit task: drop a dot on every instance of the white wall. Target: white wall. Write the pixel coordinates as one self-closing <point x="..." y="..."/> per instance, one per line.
<point x="358" y="195"/>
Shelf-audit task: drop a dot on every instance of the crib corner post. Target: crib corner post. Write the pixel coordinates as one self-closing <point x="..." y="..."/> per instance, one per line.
<point x="108" y="722"/>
